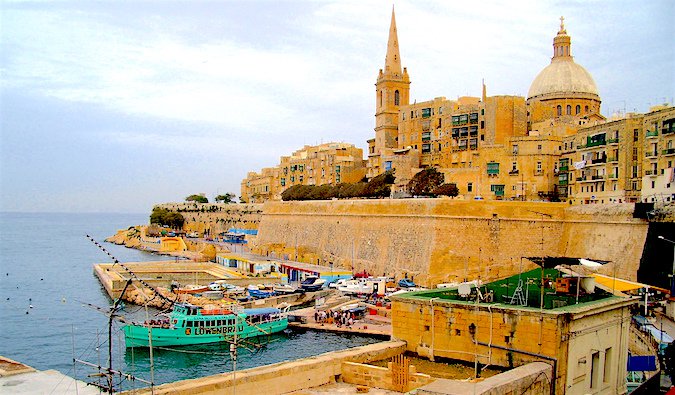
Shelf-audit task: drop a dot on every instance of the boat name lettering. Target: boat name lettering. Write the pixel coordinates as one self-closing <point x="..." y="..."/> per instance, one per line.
<point x="214" y="331"/>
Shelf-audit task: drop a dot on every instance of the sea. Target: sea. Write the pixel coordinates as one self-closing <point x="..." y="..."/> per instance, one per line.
<point x="53" y="308"/>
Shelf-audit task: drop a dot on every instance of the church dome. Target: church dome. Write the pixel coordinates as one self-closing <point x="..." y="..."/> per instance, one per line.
<point x="563" y="76"/>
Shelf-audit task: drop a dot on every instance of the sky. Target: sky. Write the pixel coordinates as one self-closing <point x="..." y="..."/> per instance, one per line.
<point x="114" y="106"/>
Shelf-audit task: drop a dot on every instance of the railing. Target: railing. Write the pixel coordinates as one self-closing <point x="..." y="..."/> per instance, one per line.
<point x="563" y="168"/>
<point x="513" y="172"/>
<point x="598" y="177"/>
<point x="612" y="176"/>
<point x="613" y="159"/>
<point x="581" y="178"/>
<point x="653" y="133"/>
<point x="654" y="153"/>
<point x="596" y="143"/>
<point x="613" y="141"/>
<point x="562" y="182"/>
<point x="669" y="151"/>
<point x="650" y="172"/>
<point x="599" y="160"/>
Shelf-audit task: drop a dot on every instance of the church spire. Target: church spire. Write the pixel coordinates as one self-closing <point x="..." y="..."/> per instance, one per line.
<point x="392" y="63"/>
<point x="562" y="43"/>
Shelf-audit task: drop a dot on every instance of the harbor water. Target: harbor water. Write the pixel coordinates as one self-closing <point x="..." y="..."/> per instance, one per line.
<point x="49" y="298"/>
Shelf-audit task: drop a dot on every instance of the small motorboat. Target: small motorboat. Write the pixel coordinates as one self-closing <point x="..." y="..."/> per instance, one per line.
<point x="284" y="289"/>
<point x="312" y="283"/>
<point x="191" y="289"/>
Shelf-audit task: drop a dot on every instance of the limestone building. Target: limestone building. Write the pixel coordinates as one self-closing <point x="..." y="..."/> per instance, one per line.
<point x="552" y="145"/>
<point x="328" y="163"/>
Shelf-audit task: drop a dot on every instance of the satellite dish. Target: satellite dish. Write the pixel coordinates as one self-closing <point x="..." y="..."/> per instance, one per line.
<point x="464" y="289"/>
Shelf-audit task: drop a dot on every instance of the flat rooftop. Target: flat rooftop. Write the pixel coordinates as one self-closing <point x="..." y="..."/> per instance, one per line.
<point x="560" y="298"/>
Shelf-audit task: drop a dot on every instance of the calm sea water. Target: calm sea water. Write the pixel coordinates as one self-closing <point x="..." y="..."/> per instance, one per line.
<point x="47" y="262"/>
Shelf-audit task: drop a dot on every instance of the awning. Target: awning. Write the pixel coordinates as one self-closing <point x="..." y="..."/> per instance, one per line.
<point x="618" y="284"/>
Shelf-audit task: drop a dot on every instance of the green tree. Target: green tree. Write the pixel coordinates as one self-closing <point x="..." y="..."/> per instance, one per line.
<point x="226" y="198"/>
<point x="197" y="198"/>
<point x="447" y="190"/>
<point x="380" y="186"/>
<point x="425" y="182"/>
<point x="162" y="216"/>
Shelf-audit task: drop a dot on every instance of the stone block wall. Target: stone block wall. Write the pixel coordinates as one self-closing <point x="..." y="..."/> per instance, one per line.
<point x="280" y="378"/>
<point x="444" y="240"/>
<point x="216" y="217"/>
<point x="530" y="379"/>
<point x="379" y="377"/>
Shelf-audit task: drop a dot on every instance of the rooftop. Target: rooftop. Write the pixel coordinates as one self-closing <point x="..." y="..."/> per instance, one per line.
<point x="560" y="292"/>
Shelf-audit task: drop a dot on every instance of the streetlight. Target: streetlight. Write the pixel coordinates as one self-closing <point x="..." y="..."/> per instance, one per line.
<point x="672" y="276"/>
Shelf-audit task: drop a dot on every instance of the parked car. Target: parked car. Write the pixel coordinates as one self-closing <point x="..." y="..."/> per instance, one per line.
<point x="406" y="283"/>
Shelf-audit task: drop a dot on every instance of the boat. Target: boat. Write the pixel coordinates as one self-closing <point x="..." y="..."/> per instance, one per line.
<point x="260" y="291"/>
<point x="356" y="287"/>
<point x="188" y="289"/>
<point x="284" y="289"/>
<point x="312" y="283"/>
<point x="188" y="324"/>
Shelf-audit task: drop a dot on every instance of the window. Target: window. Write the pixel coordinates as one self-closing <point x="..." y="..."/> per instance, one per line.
<point x="426" y="112"/>
<point x="559" y="110"/>
<point x="493" y="168"/>
<point x="539" y="147"/>
<point x="469" y="187"/>
<point x="397" y="98"/>
<point x="538" y="167"/>
<point x="387" y="165"/>
<point x="636" y="135"/>
<point x="515" y="149"/>
<point x="380" y="97"/>
<point x="586" y="109"/>
<point x="578" y="109"/>
<point x="568" y="110"/>
<point x="595" y="369"/>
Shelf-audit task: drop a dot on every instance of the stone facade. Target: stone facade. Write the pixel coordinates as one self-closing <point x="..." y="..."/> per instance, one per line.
<point x="214" y="218"/>
<point x="587" y="342"/>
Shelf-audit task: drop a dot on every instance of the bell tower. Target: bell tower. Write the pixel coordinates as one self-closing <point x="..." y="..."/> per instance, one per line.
<point x="391" y="92"/>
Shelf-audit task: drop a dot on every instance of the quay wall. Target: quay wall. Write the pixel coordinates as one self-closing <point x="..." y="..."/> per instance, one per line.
<point x="281" y="377"/>
<point x="445" y="240"/>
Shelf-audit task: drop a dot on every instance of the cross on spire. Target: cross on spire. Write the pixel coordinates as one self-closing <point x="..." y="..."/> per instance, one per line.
<point x="562" y="23"/>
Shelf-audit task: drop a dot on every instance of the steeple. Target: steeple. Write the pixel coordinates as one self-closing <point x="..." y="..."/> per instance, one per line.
<point x="392" y="62"/>
<point x="562" y="43"/>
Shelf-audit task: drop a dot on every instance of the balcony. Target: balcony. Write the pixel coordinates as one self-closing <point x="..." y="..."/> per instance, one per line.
<point x="513" y="172"/>
<point x="581" y="178"/>
<point x="652" y="154"/>
<point x="651" y="134"/>
<point x="597" y="143"/>
<point x="563" y="169"/>
<point x="599" y="160"/>
<point x="669" y="151"/>
<point x="562" y="182"/>
<point x="613" y="159"/>
<point x="652" y="173"/>
<point x="612" y="176"/>
<point x="598" y="177"/>
<point x="613" y="141"/>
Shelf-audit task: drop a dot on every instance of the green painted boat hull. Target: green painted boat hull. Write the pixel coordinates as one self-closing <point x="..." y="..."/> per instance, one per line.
<point x="138" y="335"/>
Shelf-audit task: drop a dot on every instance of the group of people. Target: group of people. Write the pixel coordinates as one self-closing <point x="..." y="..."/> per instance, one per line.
<point x="336" y="317"/>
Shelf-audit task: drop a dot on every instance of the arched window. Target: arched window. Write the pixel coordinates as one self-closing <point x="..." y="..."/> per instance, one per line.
<point x="559" y="110"/>
<point x="578" y="109"/>
<point x="397" y="98"/>
<point x="569" y="110"/>
<point x="586" y="109"/>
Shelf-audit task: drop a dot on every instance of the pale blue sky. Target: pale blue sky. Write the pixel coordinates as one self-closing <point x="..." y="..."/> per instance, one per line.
<point x="117" y="105"/>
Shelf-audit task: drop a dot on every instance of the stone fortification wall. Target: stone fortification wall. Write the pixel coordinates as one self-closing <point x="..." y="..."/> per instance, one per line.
<point x="216" y="217"/>
<point x="444" y="240"/>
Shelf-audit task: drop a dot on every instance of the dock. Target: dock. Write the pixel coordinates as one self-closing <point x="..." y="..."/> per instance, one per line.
<point x="370" y="325"/>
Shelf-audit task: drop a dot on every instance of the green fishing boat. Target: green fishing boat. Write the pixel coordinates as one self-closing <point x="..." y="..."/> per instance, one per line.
<point x="188" y="324"/>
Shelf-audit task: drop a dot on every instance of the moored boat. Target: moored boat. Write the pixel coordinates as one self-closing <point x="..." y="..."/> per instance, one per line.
<point x="191" y="289"/>
<point x="189" y="324"/>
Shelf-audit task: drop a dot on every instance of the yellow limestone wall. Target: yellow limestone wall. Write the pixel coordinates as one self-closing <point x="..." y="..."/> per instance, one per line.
<point x="444" y="240"/>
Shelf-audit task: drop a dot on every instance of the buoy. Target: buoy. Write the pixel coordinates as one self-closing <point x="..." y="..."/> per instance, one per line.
<point x="63" y="300"/>
<point x="26" y="312"/>
<point x="30" y="306"/>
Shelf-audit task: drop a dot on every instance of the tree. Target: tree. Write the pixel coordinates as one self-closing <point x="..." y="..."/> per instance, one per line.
<point x="447" y="190"/>
<point x="197" y="198"/>
<point x="425" y="182"/>
<point x="226" y="198"/>
<point x="380" y="186"/>
<point x="162" y="216"/>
